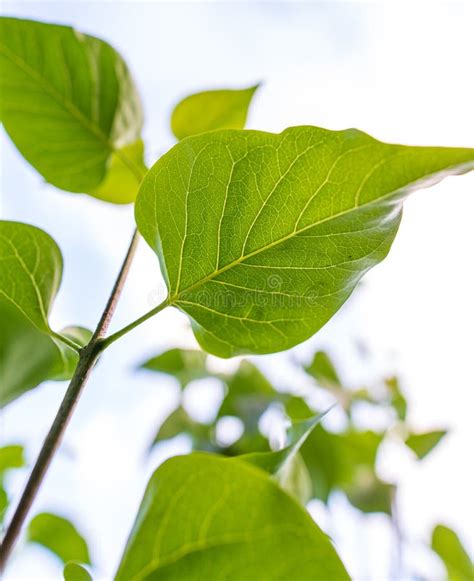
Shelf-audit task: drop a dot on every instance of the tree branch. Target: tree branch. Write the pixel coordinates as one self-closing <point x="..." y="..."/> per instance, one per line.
<point x="87" y="358"/>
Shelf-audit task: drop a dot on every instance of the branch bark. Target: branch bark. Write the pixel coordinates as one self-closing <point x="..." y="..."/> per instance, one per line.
<point x="88" y="356"/>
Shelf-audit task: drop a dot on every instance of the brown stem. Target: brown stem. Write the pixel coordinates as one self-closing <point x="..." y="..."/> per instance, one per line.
<point x="87" y="358"/>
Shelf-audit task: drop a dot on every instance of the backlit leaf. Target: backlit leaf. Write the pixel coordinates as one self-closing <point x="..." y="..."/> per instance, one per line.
<point x="11" y="457"/>
<point x="286" y="465"/>
<point x="423" y="444"/>
<point x="59" y="536"/>
<point x="185" y="364"/>
<point x="449" y="548"/>
<point x="75" y="572"/>
<point x="208" y="517"/>
<point x="30" y="274"/>
<point x="323" y="370"/>
<point x="263" y="237"/>
<point x="210" y="110"/>
<point x="30" y="270"/>
<point x="70" y="106"/>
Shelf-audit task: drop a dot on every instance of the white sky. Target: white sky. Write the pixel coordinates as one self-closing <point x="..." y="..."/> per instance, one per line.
<point x="401" y="71"/>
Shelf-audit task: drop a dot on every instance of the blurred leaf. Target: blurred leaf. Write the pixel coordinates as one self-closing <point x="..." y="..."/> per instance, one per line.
<point x="248" y="395"/>
<point x="423" y="444"/>
<point x="59" y="536"/>
<point x="68" y="103"/>
<point x="4" y="501"/>
<point x="263" y="237"/>
<point x="370" y="494"/>
<point x="449" y="548"/>
<point x="205" y="516"/>
<point x="397" y="399"/>
<point x="340" y="461"/>
<point x="120" y="185"/>
<point x="210" y="110"/>
<point x="74" y="572"/>
<point x="180" y="422"/>
<point x="11" y="457"/>
<point x="323" y="370"/>
<point x="185" y="365"/>
<point x="286" y="464"/>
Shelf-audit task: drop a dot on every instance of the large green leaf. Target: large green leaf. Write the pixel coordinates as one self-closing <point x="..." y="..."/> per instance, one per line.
<point x="263" y="237"/>
<point x="210" y="110"/>
<point x="206" y="517"/>
<point x="30" y="275"/>
<point x="59" y="536"/>
<point x="447" y="545"/>
<point x="69" y="105"/>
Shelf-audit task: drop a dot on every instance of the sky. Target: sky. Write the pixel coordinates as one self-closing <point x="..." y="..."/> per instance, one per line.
<point x="401" y="71"/>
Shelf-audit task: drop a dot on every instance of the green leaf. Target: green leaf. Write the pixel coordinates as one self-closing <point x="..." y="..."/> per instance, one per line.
<point x="185" y="365"/>
<point x="286" y="465"/>
<point x="422" y="444"/>
<point x="180" y="422"/>
<point x="449" y="548"/>
<point x="11" y="457"/>
<point x="370" y="494"/>
<point x="59" y="536"/>
<point x="75" y="572"/>
<point x="4" y="501"/>
<point x="205" y="517"/>
<point x="30" y="275"/>
<point x="120" y="185"/>
<point x="248" y="395"/>
<point x="323" y="370"/>
<point x="69" y="105"/>
<point x="344" y="461"/>
<point x="30" y="270"/>
<point x="210" y="110"/>
<point x="263" y="237"/>
<point x="28" y="356"/>
<point x="397" y="399"/>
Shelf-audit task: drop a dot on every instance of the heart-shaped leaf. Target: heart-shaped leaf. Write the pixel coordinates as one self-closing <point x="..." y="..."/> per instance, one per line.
<point x="208" y="517"/>
<point x="210" y="110"/>
<point x="263" y="237"/>
<point x="30" y="274"/>
<point x="70" y="106"/>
